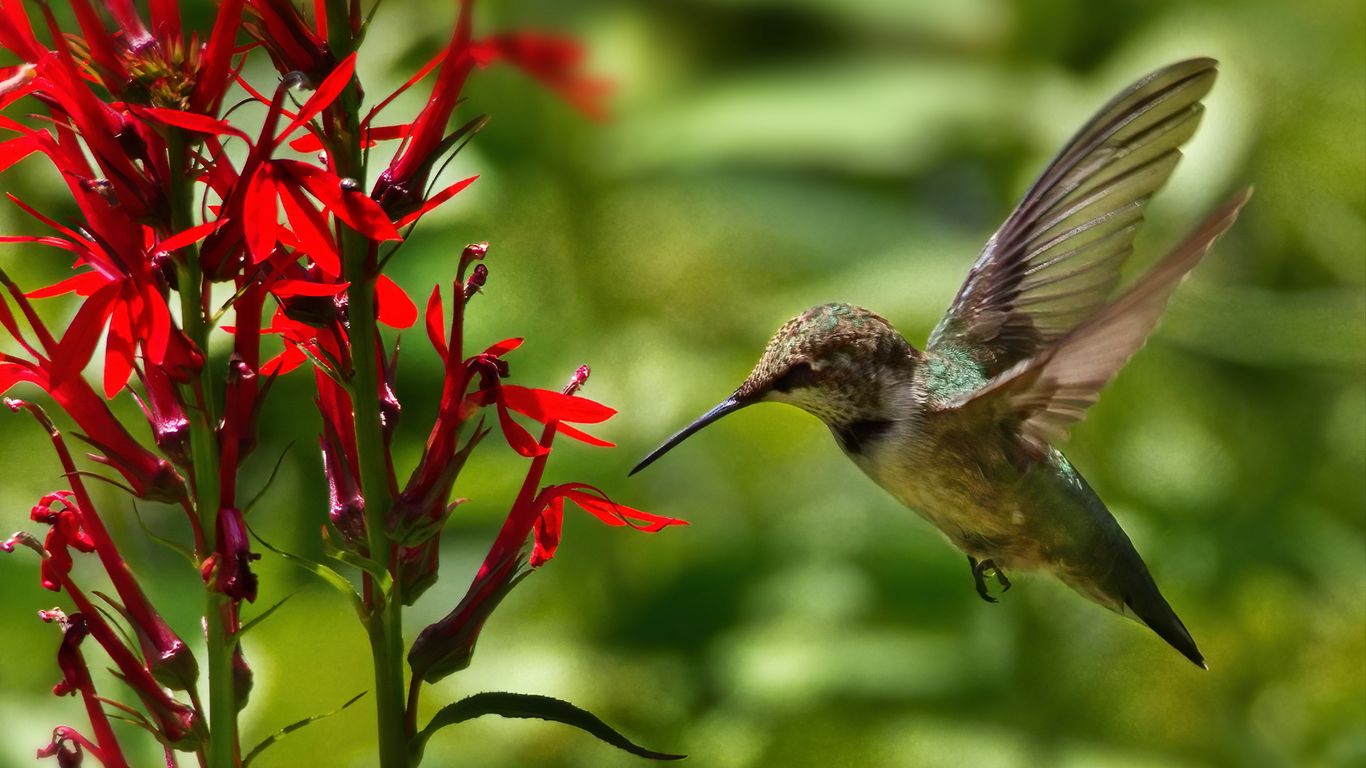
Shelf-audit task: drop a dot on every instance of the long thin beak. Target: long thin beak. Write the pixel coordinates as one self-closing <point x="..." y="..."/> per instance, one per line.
<point x="729" y="405"/>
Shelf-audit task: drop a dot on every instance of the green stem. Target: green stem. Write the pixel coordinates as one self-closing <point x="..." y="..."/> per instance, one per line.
<point x="223" y="746"/>
<point x="385" y="624"/>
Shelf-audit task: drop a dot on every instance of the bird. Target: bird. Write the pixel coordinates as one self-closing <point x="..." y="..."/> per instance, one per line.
<point x="965" y="431"/>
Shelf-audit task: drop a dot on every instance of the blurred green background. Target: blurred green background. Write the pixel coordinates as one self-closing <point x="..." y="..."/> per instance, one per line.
<point x="764" y="156"/>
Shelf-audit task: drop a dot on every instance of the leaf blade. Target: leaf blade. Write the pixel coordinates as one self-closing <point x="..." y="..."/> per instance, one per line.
<point x="292" y="727"/>
<point x="531" y="706"/>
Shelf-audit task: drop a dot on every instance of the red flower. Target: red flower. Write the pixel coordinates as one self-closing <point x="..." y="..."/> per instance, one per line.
<point x="177" y="723"/>
<point x="73" y="522"/>
<point x="593" y="501"/>
<point x="66" y="743"/>
<point x="292" y="44"/>
<point x="56" y="368"/>
<point x="447" y="645"/>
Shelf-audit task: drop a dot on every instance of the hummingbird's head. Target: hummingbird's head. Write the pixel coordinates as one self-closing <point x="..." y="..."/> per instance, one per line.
<point x="828" y="361"/>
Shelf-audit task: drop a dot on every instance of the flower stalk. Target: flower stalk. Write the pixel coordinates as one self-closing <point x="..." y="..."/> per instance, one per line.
<point x="220" y="644"/>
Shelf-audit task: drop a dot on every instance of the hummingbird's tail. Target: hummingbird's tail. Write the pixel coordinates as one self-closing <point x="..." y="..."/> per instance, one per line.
<point x="1139" y="597"/>
<point x="1107" y="568"/>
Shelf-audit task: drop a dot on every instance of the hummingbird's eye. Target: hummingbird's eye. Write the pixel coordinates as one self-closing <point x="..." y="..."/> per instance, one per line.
<point x="799" y="375"/>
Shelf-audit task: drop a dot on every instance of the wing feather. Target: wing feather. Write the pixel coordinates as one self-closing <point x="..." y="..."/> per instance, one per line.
<point x="1057" y="258"/>
<point x="1043" y="396"/>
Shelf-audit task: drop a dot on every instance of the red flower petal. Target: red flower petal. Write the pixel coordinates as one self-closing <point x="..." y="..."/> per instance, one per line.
<point x="156" y="324"/>
<point x="436" y="200"/>
<point x="351" y="206"/>
<point x="262" y="213"/>
<point x="14" y="150"/>
<point x="192" y="235"/>
<point x="327" y="92"/>
<point x="583" y="437"/>
<point x="436" y="321"/>
<point x="396" y="310"/>
<point x="517" y="436"/>
<point x="543" y="405"/>
<point x="547" y="532"/>
<point x="409" y="83"/>
<point x="596" y="503"/>
<point x="190" y="121"/>
<point x="286" y="288"/>
<point x="78" y="344"/>
<point x="118" y="353"/>
<point x="213" y="76"/>
<point x="309" y="142"/>
<point x="284" y="362"/>
<point x="555" y="61"/>
<point x="165" y="20"/>
<point x="83" y="284"/>
<point x="503" y="347"/>
<point x="55" y="242"/>
<point x="310" y="225"/>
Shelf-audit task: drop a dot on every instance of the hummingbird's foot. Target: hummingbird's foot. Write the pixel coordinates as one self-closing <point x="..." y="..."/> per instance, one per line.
<point x="980" y="571"/>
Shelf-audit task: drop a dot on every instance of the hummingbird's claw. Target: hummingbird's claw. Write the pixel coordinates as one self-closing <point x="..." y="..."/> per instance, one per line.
<point x="980" y="569"/>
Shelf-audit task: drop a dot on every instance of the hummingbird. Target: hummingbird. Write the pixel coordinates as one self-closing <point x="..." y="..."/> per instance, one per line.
<point x="964" y="431"/>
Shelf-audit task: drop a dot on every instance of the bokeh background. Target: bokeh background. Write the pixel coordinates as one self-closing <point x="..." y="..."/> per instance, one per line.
<point x="764" y="156"/>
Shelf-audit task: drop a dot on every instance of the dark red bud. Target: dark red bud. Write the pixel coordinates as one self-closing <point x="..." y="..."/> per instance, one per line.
<point x="476" y="281"/>
<point x="233" y="569"/>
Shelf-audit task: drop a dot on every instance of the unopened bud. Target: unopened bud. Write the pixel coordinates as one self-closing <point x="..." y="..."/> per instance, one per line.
<point x="476" y="281"/>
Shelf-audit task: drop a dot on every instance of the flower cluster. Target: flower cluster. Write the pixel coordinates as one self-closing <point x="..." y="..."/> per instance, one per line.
<point x="165" y="219"/>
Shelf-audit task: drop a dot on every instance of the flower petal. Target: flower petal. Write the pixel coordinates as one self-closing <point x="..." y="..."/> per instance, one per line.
<point x="517" y="436"/>
<point x="190" y="121"/>
<point x="310" y="226"/>
<point x="286" y="288"/>
<point x="81" y="337"/>
<point x="396" y="310"/>
<point x="351" y="206"/>
<point x="118" y="353"/>
<point x="262" y="214"/>
<point x="503" y="347"/>
<point x="82" y="284"/>
<point x="192" y="235"/>
<point x="544" y="405"/>
<point x="328" y="91"/>
<point x="582" y="437"/>
<point x="436" y="321"/>
<point x="436" y="200"/>
<point x="596" y="503"/>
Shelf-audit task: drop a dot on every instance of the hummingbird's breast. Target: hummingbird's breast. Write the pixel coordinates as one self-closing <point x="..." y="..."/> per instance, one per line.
<point x="976" y="492"/>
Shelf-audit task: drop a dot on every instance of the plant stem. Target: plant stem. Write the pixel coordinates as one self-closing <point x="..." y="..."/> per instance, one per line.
<point x="220" y="644"/>
<point x="385" y="624"/>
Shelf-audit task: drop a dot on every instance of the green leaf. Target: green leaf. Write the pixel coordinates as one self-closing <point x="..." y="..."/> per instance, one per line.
<point x="269" y="480"/>
<point x="327" y="574"/>
<point x="133" y="646"/>
<point x="354" y="560"/>
<point x="529" y="705"/>
<point x="176" y="547"/>
<point x="292" y="727"/>
<point x="263" y="615"/>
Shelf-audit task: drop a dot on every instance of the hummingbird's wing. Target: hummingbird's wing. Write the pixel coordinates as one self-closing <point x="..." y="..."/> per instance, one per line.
<point x="1040" y="398"/>
<point x="1057" y="258"/>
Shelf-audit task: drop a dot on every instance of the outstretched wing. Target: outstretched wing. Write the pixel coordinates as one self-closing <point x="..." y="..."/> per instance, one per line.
<point x="1058" y="256"/>
<point x="1040" y="398"/>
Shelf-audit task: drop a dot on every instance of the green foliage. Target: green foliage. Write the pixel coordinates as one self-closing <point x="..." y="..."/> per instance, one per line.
<point x="530" y="706"/>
